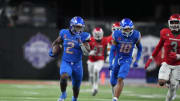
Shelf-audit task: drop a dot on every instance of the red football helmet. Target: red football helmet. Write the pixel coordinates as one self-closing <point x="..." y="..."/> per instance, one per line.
<point x="174" y="22"/>
<point x="116" y="26"/>
<point x="98" y="33"/>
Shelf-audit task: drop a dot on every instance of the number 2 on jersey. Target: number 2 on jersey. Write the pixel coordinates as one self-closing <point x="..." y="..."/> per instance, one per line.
<point x="70" y="47"/>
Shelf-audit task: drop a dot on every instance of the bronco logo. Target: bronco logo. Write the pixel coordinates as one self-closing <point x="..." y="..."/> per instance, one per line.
<point x="36" y="51"/>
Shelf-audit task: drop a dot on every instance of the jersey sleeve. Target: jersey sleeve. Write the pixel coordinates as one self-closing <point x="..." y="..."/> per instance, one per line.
<point x="114" y="35"/>
<point x="90" y="42"/>
<point x="160" y="44"/>
<point x="86" y="37"/>
<point x="139" y="36"/>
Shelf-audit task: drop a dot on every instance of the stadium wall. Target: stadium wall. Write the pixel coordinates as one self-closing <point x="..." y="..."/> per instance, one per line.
<point x="23" y="50"/>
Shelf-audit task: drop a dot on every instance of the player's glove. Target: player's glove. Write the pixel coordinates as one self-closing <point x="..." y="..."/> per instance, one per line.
<point x="172" y="55"/>
<point x="148" y="63"/>
<point x="135" y="65"/>
<point x="51" y="53"/>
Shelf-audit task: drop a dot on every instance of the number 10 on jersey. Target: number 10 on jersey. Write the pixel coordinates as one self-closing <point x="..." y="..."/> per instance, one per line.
<point x="125" y="47"/>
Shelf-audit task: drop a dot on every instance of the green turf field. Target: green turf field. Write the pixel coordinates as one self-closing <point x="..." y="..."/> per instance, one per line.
<point x="33" y="92"/>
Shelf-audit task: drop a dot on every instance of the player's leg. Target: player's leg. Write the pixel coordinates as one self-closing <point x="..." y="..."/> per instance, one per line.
<point x="164" y="73"/>
<point x="97" y="67"/>
<point x="91" y="71"/>
<point x="113" y="81"/>
<point x="77" y="75"/>
<point x="65" y="72"/>
<point x="174" y="82"/>
<point x="123" y="72"/>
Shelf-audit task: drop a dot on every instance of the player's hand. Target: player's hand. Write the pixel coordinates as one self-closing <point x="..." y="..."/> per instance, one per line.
<point x="135" y="65"/>
<point x="51" y="53"/>
<point x="148" y="63"/>
<point x="110" y="67"/>
<point x="173" y="55"/>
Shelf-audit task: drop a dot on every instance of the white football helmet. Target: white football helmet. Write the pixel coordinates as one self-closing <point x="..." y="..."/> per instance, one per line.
<point x="174" y="22"/>
<point x="116" y="26"/>
<point x="98" y="33"/>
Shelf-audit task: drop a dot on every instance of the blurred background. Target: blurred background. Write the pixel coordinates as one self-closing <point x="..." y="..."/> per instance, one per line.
<point x="28" y="28"/>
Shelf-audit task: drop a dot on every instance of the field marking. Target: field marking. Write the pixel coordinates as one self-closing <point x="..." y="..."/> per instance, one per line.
<point x="84" y="99"/>
<point x="30" y="92"/>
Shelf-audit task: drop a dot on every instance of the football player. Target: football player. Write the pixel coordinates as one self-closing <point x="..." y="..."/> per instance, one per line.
<point x="75" y="43"/>
<point x="95" y="62"/>
<point x="169" y="72"/>
<point x="124" y="41"/>
<point x="115" y="26"/>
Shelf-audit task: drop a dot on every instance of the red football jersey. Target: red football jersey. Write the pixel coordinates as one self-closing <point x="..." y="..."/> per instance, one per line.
<point x="109" y="38"/>
<point x="99" y="47"/>
<point x="170" y="43"/>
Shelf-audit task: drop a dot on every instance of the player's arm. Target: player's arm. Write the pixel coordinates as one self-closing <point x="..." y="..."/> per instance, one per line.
<point x="155" y="52"/>
<point x="108" y="52"/>
<point x="85" y="47"/>
<point x="158" y="48"/>
<point x="56" y="45"/>
<point x="112" y="52"/>
<point x="139" y="51"/>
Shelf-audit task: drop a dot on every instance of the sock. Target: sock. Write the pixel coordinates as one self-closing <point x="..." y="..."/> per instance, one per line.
<point x="171" y="93"/>
<point x="91" y="80"/>
<point x="96" y="79"/>
<point x="112" y="91"/>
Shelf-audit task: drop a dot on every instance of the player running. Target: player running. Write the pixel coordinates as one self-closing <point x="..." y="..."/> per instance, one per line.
<point x="115" y="26"/>
<point x="75" y="43"/>
<point x="170" y="67"/>
<point x="124" y="41"/>
<point x="95" y="62"/>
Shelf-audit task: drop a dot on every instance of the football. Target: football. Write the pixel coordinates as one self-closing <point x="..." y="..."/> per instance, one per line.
<point x="56" y="49"/>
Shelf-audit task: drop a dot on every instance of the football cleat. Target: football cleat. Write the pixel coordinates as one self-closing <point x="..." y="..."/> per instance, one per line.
<point x="62" y="97"/>
<point x="74" y="99"/>
<point x="94" y="92"/>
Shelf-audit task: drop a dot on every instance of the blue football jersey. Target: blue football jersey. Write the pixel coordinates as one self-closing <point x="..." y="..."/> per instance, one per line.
<point x="125" y="44"/>
<point x="72" y="51"/>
